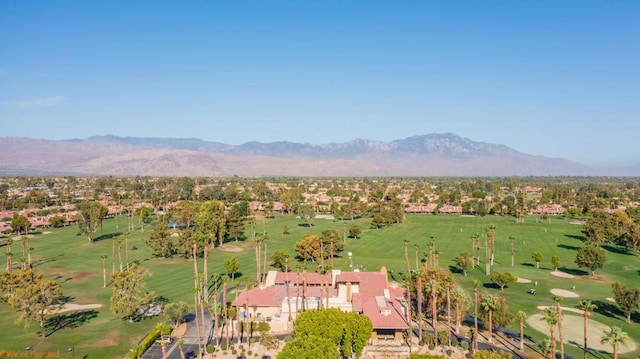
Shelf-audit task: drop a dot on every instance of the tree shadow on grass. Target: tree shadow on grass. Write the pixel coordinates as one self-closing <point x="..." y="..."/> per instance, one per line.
<point x="618" y="249"/>
<point x="565" y="246"/>
<point x="607" y="309"/>
<point x="574" y="236"/>
<point x="68" y="320"/>
<point x="104" y="237"/>
<point x="573" y="271"/>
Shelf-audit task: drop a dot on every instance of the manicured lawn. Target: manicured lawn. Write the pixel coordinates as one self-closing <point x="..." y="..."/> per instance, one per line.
<point x="97" y="333"/>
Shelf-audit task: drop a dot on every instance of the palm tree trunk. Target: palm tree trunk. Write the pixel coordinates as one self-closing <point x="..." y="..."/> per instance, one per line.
<point x="475" y="318"/>
<point x="434" y="308"/>
<point x="490" y="326"/>
<point x="419" y="300"/>
<point x="205" y="271"/>
<point x="584" y="350"/>
<point x="560" y="330"/>
<point x="553" y="341"/>
<point x="449" y="312"/>
<point x="521" y="334"/>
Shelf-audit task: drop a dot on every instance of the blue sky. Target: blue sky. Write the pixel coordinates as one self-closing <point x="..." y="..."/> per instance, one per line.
<point x="551" y="78"/>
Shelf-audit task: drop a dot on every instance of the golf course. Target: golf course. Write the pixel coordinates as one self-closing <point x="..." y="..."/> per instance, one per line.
<point x="86" y="328"/>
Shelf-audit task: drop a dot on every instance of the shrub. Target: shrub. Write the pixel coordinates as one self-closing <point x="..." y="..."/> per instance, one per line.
<point x="223" y="346"/>
<point x="464" y="345"/>
<point x="443" y="337"/>
<point x="454" y="343"/>
<point x="210" y="349"/>
<point x="432" y="346"/>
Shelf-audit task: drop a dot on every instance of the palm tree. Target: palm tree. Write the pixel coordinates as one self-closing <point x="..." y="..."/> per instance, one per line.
<point x="406" y="255"/>
<point x="416" y="247"/>
<point x="448" y="287"/>
<point x="286" y="273"/>
<point x="476" y="284"/>
<point x="558" y="299"/>
<point x="615" y="336"/>
<point x="586" y="306"/>
<point x="180" y="344"/>
<point x="522" y="316"/>
<point x="492" y="228"/>
<point x="476" y="238"/>
<point x="489" y="303"/>
<point x="460" y="305"/>
<point x="551" y="316"/>
<point x="104" y="270"/>
<point x="9" y="255"/>
<point x="513" y="240"/>
<point x="419" y="304"/>
<point x="433" y="286"/>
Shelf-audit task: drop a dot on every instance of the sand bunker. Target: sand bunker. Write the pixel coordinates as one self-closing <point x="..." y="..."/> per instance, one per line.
<point x="564" y="309"/>
<point x="610" y="299"/>
<point x="523" y="280"/>
<point x="573" y="329"/>
<point x="229" y="248"/>
<point x="69" y="307"/>
<point x="562" y="274"/>
<point x="564" y="293"/>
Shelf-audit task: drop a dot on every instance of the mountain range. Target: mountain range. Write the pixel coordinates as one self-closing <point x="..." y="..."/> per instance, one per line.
<point x="426" y="155"/>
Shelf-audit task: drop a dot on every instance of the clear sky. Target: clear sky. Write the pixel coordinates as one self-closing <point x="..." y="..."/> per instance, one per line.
<point x="552" y="78"/>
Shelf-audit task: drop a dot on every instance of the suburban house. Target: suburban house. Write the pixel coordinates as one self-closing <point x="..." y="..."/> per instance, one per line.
<point x="284" y="295"/>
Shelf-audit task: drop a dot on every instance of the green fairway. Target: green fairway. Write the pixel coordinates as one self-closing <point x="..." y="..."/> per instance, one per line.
<point x="97" y="333"/>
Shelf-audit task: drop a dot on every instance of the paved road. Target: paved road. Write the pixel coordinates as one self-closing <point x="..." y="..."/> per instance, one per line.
<point x="190" y="346"/>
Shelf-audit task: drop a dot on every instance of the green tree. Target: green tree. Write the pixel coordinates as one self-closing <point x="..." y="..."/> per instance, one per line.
<point x="20" y="224"/>
<point x="378" y="221"/>
<point x="614" y="337"/>
<point x="56" y="221"/>
<point x="349" y="331"/>
<point x="306" y="213"/>
<point x="503" y="278"/>
<point x="235" y="223"/>
<point x="627" y="298"/>
<point x="231" y="265"/>
<point x="492" y="354"/>
<point x="176" y="312"/>
<point x="309" y="347"/>
<point x="586" y="306"/>
<point x="143" y="213"/>
<point x="279" y="259"/>
<point x="90" y="216"/>
<point x="537" y="257"/>
<point x="591" y="257"/>
<point x="464" y="261"/>
<point x="210" y="220"/>
<point x="355" y="231"/>
<point x="34" y="297"/>
<point x="160" y="241"/>
<point x="555" y="262"/>
<point x="129" y="292"/>
<point x="308" y="248"/>
<point x="425" y="356"/>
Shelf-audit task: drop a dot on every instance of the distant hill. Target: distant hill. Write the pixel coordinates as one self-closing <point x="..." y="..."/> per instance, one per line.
<point x="426" y="155"/>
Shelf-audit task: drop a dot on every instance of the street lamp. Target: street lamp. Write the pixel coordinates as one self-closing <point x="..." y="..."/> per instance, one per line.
<point x="73" y="354"/>
<point x="350" y="259"/>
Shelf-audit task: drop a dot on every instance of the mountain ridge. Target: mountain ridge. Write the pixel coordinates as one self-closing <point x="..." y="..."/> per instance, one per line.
<point x="444" y="154"/>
